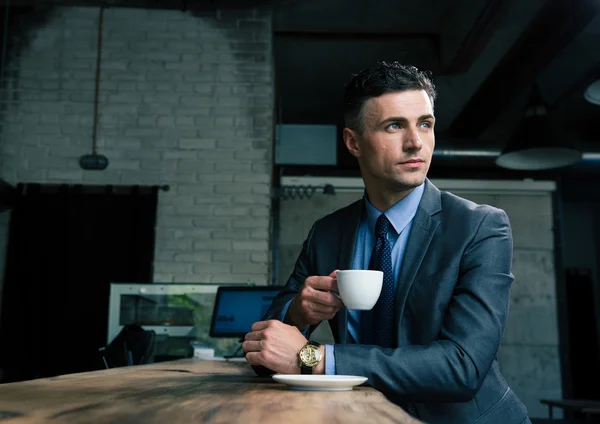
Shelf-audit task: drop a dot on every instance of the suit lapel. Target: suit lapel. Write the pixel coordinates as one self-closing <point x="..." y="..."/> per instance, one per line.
<point x="349" y="231"/>
<point x="423" y="228"/>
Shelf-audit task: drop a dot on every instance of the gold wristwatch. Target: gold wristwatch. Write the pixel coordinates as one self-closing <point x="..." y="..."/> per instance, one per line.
<point x="309" y="356"/>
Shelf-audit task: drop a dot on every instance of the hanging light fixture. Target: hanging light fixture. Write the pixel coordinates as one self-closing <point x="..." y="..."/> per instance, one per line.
<point x="95" y="161"/>
<point x="537" y="144"/>
<point x="592" y="93"/>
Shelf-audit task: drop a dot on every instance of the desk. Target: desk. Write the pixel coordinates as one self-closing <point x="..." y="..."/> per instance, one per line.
<point x="586" y="407"/>
<point x="184" y="391"/>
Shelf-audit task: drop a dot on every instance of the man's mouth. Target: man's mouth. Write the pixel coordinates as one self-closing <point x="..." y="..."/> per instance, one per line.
<point x="412" y="161"/>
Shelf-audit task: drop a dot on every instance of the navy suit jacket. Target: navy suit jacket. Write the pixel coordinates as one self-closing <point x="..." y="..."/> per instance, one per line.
<point x="451" y="306"/>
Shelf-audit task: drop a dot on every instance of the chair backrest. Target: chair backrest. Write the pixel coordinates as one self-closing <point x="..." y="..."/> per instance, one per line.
<point x="132" y="346"/>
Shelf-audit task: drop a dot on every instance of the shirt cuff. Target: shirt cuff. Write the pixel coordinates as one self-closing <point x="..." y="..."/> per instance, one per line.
<point x="329" y="360"/>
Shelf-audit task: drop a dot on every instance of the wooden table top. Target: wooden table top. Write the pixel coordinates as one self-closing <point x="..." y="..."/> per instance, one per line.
<point x="184" y="391"/>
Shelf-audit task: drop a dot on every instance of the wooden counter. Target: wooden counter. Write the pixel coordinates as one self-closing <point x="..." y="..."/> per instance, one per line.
<point x="187" y="391"/>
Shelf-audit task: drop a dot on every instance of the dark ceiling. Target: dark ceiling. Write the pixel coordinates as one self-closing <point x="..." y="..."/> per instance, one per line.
<point x="485" y="56"/>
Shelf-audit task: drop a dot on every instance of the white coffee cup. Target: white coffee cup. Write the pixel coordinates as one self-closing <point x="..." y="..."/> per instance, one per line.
<point x="359" y="289"/>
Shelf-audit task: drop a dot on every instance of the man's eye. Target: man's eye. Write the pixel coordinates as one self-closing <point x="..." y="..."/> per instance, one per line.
<point x="393" y="127"/>
<point x="425" y="125"/>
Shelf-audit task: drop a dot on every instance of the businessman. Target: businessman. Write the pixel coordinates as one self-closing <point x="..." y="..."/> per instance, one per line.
<point x="430" y="344"/>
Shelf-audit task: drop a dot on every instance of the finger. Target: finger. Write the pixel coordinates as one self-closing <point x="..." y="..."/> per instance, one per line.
<point x="260" y="325"/>
<point x="316" y="312"/>
<point x="338" y="296"/>
<point x="321" y="283"/>
<point x="335" y="286"/>
<point x="323" y="313"/>
<point x="254" y="358"/>
<point x="325" y="298"/>
<point x="252" y="346"/>
<point x="254" y="335"/>
<point x="334" y="282"/>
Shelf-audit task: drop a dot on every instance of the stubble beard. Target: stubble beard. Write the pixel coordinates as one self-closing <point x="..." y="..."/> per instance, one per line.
<point x="406" y="181"/>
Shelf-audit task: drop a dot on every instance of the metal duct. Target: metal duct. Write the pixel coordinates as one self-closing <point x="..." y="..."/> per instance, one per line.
<point x="488" y="156"/>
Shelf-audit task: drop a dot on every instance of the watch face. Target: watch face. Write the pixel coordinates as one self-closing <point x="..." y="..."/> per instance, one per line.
<point x="310" y="355"/>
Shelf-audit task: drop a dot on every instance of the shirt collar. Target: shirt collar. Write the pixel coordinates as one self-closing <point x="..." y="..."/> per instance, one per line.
<point x="400" y="214"/>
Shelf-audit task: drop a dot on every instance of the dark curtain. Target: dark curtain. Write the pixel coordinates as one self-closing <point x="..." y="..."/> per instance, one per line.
<point x="66" y="245"/>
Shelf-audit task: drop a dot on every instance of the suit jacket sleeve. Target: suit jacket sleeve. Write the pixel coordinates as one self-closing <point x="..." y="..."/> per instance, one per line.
<point x="302" y="270"/>
<point x="453" y="367"/>
<point x="295" y="283"/>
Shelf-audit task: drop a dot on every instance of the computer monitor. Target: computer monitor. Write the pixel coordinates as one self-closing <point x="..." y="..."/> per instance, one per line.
<point x="237" y="308"/>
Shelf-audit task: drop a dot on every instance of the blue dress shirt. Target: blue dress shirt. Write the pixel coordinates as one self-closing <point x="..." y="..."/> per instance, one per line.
<point x="400" y="216"/>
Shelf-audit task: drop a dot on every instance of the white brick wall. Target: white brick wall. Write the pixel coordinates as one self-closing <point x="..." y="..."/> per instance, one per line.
<point x="186" y="100"/>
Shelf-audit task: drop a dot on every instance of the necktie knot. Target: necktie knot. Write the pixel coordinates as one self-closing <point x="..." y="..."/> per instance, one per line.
<point x="382" y="226"/>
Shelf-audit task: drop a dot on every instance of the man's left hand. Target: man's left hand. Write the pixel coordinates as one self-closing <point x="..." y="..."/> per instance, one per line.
<point x="275" y="345"/>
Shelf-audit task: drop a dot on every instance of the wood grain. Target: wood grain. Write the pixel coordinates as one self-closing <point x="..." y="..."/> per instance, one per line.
<point x="188" y="391"/>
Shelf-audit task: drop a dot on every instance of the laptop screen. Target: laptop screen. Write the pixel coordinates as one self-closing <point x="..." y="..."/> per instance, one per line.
<point x="237" y="308"/>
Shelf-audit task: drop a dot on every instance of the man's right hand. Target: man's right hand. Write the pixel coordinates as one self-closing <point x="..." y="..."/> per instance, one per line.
<point x="315" y="302"/>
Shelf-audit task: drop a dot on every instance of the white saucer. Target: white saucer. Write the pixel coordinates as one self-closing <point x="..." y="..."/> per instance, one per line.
<point x="323" y="383"/>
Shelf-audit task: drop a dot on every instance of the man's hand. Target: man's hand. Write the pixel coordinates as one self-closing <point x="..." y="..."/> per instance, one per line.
<point x="275" y="345"/>
<point x="314" y="303"/>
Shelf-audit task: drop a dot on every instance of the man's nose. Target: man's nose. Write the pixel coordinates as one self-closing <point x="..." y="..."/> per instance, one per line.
<point x="412" y="141"/>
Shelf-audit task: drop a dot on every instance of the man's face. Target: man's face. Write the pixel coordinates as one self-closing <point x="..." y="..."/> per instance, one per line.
<point x="395" y="149"/>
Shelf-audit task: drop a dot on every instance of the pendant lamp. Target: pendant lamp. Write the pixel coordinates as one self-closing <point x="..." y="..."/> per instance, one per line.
<point x="94" y="160"/>
<point x="537" y="143"/>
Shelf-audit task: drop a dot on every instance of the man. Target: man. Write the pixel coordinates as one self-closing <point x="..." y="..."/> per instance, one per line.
<point x="431" y="341"/>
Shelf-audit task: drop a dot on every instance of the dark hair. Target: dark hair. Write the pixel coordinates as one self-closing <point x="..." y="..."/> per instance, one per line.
<point x="381" y="79"/>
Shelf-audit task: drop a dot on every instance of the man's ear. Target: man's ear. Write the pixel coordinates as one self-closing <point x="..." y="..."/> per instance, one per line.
<point x="352" y="142"/>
